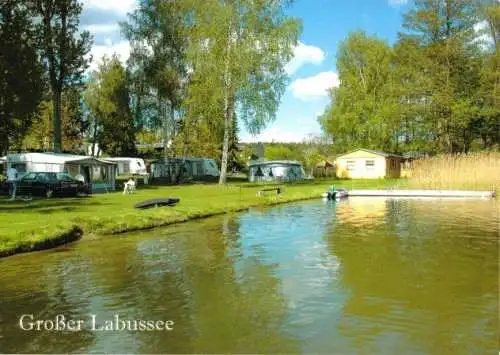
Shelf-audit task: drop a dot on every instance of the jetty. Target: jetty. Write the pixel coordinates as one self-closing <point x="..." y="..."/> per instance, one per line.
<point x="422" y="193"/>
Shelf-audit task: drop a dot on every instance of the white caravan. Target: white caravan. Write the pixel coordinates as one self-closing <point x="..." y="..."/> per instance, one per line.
<point x="127" y="166"/>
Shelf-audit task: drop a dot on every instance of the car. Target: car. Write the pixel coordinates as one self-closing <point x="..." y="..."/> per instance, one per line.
<point x="51" y="184"/>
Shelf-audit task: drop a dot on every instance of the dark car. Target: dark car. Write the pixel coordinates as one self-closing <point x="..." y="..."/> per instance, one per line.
<point x="51" y="184"/>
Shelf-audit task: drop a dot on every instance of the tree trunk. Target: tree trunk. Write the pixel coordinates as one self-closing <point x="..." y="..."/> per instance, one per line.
<point x="227" y="110"/>
<point x="94" y="138"/>
<point x="225" y="144"/>
<point x="56" y="102"/>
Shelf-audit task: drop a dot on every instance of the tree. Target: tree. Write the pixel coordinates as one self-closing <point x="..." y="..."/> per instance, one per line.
<point x="311" y="158"/>
<point x="73" y="124"/>
<point x="64" y="48"/>
<point x="108" y="100"/>
<point x="362" y="110"/>
<point x="21" y="84"/>
<point x="435" y="90"/>
<point x="445" y="31"/>
<point x="157" y="65"/>
<point x="237" y="50"/>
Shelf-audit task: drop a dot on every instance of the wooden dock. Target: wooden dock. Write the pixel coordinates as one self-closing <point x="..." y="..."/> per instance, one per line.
<point x="423" y="193"/>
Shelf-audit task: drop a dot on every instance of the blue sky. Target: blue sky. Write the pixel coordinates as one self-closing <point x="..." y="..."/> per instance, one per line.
<point x="311" y="71"/>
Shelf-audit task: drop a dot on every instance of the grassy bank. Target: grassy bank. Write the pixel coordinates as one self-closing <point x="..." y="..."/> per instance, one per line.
<point x="476" y="171"/>
<point x="32" y="225"/>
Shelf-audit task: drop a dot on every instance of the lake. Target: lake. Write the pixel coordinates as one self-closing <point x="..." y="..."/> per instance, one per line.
<point x="364" y="275"/>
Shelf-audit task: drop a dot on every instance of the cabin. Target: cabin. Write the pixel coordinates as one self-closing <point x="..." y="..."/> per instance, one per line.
<point x="100" y="173"/>
<point x="368" y="164"/>
<point x="189" y="168"/>
<point x="275" y="170"/>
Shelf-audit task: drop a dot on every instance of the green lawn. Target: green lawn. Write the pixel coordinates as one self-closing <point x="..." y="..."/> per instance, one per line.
<point x="24" y="225"/>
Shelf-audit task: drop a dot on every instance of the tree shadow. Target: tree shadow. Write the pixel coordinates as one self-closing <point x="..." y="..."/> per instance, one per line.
<point x="47" y="205"/>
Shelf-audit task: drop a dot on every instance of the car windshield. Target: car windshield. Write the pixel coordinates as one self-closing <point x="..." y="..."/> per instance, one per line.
<point x="64" y="176"/>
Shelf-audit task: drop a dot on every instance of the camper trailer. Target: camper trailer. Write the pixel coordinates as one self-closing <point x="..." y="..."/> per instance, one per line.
<point x="172" y="169"/>
<point x="98" y="172"/>
<point x="129" y="166"/>
<point x="3" y="165"/>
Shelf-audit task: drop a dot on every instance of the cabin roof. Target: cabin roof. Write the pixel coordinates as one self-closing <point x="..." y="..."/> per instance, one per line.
<point x="376" y="152"/>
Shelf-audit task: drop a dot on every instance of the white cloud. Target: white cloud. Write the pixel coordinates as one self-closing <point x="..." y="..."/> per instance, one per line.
<point x="315" y="86"/>
<point x="274" y="134"/>
<point x="303" y="54"/>
<point x="119" y="6"/>
<point x="397" y="2"/>
<point x="97" y="29"/>
<point x="122" y="49"/>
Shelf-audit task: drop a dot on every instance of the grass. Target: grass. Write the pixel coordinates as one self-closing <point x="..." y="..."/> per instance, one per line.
<point x="40" y="224"/>
<point x="43" y="223"/>
<point x="475" y="171"/>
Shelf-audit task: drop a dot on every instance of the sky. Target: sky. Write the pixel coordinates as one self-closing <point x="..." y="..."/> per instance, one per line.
<point x="312" y="71"/>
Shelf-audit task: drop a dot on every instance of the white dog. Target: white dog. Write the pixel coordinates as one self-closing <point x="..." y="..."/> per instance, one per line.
<point x="129" y="187"/>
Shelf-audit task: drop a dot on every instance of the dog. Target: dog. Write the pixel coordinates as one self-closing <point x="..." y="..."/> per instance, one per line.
<point x="129" y="187"/>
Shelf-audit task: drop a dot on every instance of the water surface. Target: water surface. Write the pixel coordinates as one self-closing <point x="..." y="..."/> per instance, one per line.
<point x="365" y="275"/>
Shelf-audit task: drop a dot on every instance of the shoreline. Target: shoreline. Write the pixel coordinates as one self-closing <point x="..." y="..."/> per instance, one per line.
<point x="227" y="199"/>
<point x="78" y="233"/>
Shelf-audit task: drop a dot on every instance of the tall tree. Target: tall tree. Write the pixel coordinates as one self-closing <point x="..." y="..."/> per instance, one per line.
<point x="238" y="49"/>
<point x="445" y="30"/>
<point x="108" y="99"/>
<point x="21" y="84"/>
<point x="157" y="64"/>
<point x="362" y="110"/>
<point x="64" y="47"/>
<point x="73" y="124"/>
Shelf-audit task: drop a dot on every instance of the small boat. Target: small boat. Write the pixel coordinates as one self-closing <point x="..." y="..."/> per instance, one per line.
<point x="158" y="202"/>
<point x="335" y="195"/>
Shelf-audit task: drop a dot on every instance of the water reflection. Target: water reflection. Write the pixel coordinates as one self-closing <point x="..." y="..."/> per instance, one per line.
<point x="425" y="279"/>
<point x="356" y="276"/>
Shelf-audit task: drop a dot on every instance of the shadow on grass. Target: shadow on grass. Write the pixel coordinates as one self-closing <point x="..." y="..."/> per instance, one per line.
<point x="46" y="205"/>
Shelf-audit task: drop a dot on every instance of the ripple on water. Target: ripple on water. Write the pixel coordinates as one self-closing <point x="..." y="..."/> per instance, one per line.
<point x="357" y="276"/>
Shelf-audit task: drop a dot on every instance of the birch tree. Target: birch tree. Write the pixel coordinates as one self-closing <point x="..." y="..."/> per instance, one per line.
<point x="238" y="49"/>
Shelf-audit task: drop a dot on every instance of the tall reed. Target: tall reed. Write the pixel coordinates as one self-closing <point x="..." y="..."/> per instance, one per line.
<point x="475" y="171"/>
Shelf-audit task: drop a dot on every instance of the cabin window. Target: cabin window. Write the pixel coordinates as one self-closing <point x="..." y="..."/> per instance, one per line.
<point x="370" y="164"/>
<point x="351" y="165"/>
<point x="126" y="168"/>
<point x="259" y="172"/>
<point x="139" y="164"/>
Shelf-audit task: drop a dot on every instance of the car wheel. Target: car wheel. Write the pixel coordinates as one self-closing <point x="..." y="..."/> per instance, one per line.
<point x="49" y="193"/>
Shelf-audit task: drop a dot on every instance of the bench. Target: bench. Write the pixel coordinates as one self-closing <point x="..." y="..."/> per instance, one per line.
<point x="278" y="189"/>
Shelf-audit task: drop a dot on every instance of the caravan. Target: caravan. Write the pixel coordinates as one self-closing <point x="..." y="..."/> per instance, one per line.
<point x="188" y="168"/>
<point x="98" y="172"/>
<point x="129" y="166"/>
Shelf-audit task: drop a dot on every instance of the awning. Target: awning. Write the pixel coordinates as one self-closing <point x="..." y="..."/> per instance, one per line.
<point x="90" y="160"/>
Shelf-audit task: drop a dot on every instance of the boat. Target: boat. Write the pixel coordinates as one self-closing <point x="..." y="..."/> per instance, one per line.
<point x="157" y="202"/>
<point x="335" y="195"/>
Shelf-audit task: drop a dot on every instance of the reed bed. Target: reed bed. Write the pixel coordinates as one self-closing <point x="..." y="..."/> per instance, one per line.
<point x="473" y="171"/>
